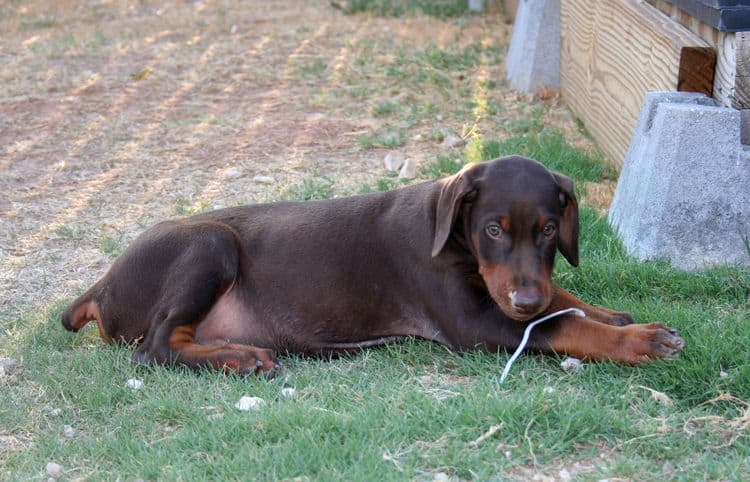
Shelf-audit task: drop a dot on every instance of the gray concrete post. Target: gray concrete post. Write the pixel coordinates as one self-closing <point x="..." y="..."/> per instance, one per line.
<point x="534" y="52"/>
<point x="684" y="190"/>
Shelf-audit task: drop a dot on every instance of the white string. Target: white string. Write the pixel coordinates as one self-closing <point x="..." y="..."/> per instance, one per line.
<point x="527" y="332"/>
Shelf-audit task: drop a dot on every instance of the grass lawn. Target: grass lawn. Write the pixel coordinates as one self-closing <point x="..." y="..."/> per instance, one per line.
<point x="144" y="121"/>
<point x="412" y="409"/>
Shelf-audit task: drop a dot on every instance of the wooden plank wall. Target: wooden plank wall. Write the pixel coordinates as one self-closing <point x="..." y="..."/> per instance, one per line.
<point x="732" y="78"/>
<point x="612" y="53"/>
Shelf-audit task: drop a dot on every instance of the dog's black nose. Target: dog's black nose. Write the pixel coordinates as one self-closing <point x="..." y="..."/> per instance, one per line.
<point x="527" y="300"/>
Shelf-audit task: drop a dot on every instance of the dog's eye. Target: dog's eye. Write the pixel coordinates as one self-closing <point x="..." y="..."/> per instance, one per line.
<point x="494" y="230"/>
<point x="548" y="230"/>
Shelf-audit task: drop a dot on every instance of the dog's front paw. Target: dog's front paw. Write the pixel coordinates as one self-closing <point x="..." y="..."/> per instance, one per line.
<point x="650" y="341"/>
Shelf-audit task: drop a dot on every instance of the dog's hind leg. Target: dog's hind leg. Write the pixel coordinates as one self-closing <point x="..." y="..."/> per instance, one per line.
<point x="204" y="268"/>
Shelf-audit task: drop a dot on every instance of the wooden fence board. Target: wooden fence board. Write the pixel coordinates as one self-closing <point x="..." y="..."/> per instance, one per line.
<point x="612" y="53"/>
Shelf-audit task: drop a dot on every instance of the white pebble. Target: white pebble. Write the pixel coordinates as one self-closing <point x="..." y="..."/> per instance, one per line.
<point x="68" y="431"/>
<point x="571" y="364"/>
<point x="723" y="374"/>
<point x="231" y="172"/>
<point x="249" y="403"/>
<point x="7" y="365"/>
<point x="54" y="470"/>
<point x="288" y="391"/>
<point x="452" y="140"/>
<point x="134" y="383"/>
<point x="393" y="161"/>
<point x="263" y="179"/>
<point x="408" y="169"/>
<point x="548" y="389"/>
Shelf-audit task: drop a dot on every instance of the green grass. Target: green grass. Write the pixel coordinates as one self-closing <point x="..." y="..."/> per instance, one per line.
<point x="388" y="137"/>
<point x="408" y="410"/>
<point x="546" y="145"/>
<point x="112" y="244"/>
<point x="315" y="186"/>
<point x="398" y="8"/>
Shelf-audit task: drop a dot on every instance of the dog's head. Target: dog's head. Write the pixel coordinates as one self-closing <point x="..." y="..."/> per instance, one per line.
<point x="515" y="214"/>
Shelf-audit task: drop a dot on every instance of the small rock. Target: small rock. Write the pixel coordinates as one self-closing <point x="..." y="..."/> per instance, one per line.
<point x="134" y="383"/>
<point x="54" y="470"/>
<point x="232" y="172"/>
<point x="7" y="365"/>
<point x="55" y="412"/>
<point x="408" y="169"/>
<point x="68" y="431"/>
<point x="723" y="374"/>
<point x="542" y="478"/>
<point x="288" y="392"/>
<point x="452" y="140"/>
<point x="571" y="364"/>
<point x="548" y="389"/>
<point x="564" y="475"/>
<point x="249" y="403"/>
<point x="476" y="5"/>
<point x="263" y="179"/>
<point x="440" y="477"/>
<point x="417" y="138"/>
<point x="393" y="161"/>
<point x="233" y="30"/>
<point x="439" y="117"/>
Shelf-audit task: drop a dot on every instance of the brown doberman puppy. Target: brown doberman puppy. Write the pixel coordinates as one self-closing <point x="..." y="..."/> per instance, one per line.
<point x="465" y="261"/>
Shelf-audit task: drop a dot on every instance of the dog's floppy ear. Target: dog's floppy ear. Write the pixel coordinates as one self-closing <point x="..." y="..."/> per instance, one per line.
<point x="568" y="240"/>
<point x="456" y="189"/>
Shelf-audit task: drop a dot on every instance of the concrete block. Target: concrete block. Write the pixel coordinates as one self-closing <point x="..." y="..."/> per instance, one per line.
<point x="534" y="52"/>
<point x="684" y="190"/>
<point x="476" y="5"/>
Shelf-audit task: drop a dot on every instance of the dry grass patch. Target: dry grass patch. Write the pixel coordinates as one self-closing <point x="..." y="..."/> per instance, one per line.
<point x="119" y="115"/>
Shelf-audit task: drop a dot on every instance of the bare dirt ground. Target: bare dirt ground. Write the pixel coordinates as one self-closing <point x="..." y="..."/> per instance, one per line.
<point x="115" y="115"/>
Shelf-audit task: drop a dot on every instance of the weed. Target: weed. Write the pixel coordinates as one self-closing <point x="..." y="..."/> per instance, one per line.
<point x="38" y="24"/>
<point x="314" y="187"/>
<point x="385" y="183"/>
<point x="388" y="137"/>
<point x="112" y="244"/>
<point x="384" y="108"/>
<point x="359" y="91"/>
<point x="581" y="126"/>
<point x="96" y="41"/>
<point x="314" y="68"/>
<point x="184" y="207"/>
<point x="442" y="166"/>
<point x="71" y="232"/>
<point x="443" y="60"/>
<point x="398" y="8"/>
